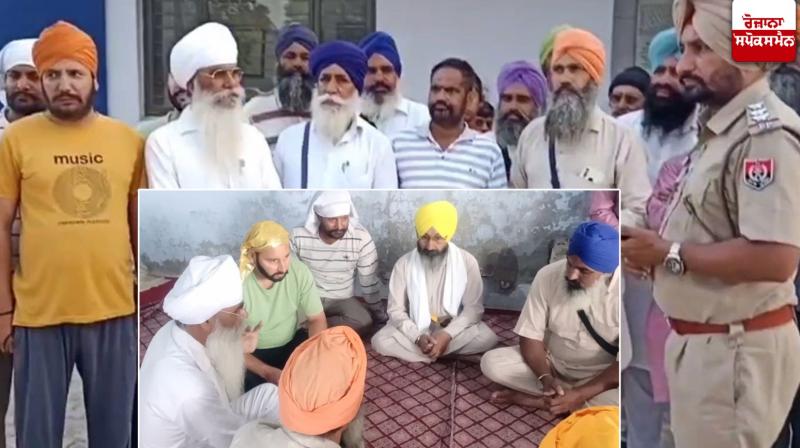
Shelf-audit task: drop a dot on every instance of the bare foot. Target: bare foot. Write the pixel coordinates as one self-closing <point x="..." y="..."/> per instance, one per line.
<point x="508" y="396"/>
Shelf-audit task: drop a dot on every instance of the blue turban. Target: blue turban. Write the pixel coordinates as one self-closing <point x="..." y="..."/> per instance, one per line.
<point x="295" y="33"/>
<point x="597" y="245"/>
<point x="344" y="54"/>
<point x="663" y="46"/>
<point x="383" y="44"/>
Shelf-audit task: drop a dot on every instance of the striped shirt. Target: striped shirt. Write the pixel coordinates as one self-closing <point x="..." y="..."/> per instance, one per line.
<point x="334" y="266"/>
<point x="473" y="161"/>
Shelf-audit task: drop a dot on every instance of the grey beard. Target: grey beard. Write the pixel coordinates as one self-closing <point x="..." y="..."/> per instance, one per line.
<point x="353" y="435"/>
<point x="224" y="349"/>
<point x="508" y="131"/>
<point x="567" y="117"/>
<point x="295" y="91"/>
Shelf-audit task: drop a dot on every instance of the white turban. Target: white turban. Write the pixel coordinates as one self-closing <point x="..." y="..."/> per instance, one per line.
<point x="206" y="287"/>
<point x="330" y="204"/>
<point x="16" y="52"/>
<point x="207" y="45"/>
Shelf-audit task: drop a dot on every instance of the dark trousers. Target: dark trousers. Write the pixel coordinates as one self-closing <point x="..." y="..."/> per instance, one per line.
<point x="6" y="367"/>
<point x="105" y="356"/>
<point x="275" y="357"/>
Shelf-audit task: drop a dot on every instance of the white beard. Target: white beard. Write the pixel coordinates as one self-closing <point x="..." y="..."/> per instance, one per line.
<point x="380" y="112"/>
<point x="222" y="130"/>
<point x="333" y="121"/>
<point x="224" y="349"/>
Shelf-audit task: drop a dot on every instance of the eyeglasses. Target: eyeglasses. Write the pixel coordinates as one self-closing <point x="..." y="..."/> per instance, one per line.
<point x="222" y="74"/>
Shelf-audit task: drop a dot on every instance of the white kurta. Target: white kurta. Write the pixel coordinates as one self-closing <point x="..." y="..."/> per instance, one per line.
<point x="175" y="159"/>
<point x="182" y="403"/>
<point x="407" y="115"/>
<point x="363" y="159"/>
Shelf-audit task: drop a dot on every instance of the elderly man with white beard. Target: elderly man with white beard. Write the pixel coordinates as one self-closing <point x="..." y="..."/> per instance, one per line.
<point x="383" y="103"/>
<point x="337" y="148"/>
<point x="576" y="145"/>
<point x="290" y="102"/>
<point x="192" y="376"/>
<point x="210" y="146"/>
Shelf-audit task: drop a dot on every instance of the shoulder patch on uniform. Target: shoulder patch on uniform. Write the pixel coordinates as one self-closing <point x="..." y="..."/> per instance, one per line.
<point x="759" y="119"/>
<point x="758" y="174"/>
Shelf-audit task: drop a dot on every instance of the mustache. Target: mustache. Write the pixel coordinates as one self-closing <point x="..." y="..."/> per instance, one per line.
<point x="566" y="89"/>
<point x="696" y="80"/>
<point x="375" y="86"/>
<point x="326" y="97"/>
<point x="516" y="115"/>
<point x="66" y="96"/>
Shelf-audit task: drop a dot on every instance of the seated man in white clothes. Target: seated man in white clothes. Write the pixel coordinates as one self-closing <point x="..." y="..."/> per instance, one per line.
<point x="435" y="296"/>
<point x="384" y="104"/>
<point x="562" y="364"/>
<point x="211" y="145"/>
<point x="337" y="149"/>
<point x="337" y="249"/>
<point x="192" y="376"/>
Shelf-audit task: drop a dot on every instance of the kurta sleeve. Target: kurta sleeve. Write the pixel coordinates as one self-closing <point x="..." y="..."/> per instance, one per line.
<point x="397" y="306"/>
<point x="472" y="301"/>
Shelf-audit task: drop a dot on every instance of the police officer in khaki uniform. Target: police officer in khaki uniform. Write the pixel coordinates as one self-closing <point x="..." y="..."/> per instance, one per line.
<point x="727" y="254"/>
<point x="576" y="145"/>
<point x="561" y="363"/>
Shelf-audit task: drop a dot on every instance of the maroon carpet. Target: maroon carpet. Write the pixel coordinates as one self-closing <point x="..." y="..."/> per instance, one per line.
<point x="445" y="404"/>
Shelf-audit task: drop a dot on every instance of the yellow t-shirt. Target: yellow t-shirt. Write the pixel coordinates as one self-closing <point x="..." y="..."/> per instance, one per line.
<point x="74" y="185"/>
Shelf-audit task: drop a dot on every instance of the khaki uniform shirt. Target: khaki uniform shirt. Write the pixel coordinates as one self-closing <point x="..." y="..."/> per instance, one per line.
<point x="550" y="315"/>
<point x="763" y="200"/>
<point x="471" y="302"/>
<point x="607" y="155"/>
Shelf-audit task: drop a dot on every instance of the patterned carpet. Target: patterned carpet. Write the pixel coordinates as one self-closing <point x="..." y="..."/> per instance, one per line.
<point x="416" y="405"/>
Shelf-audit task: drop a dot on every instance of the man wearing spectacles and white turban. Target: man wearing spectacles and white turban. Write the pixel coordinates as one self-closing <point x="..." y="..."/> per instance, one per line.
<point x="192" y="377"/>
<point x="211" y="146"/>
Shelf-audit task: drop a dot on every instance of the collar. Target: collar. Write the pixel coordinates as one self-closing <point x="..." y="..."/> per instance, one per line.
<point x="467" y="134"/>
<point x="736" y="108"/>
<point x="595" y="122"/>
<point x="403" y="106"/>
<point x="192" y="347"/>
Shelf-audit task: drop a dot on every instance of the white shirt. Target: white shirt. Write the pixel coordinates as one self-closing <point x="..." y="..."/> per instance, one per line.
<point x="407" y="115"/>
<point x="175" y="159"/>
<point x="3" y="121"/>
<point x="362" y="159"/>
<point x="660" y="147"/>
<point x="267" y="115"/>
<point x="181" y="402"/>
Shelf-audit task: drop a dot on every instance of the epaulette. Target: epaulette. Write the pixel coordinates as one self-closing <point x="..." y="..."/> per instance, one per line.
<point x="760" y="120"/>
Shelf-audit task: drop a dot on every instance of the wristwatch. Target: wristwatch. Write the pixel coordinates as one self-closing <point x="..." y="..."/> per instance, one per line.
<point x="674" y="263"/>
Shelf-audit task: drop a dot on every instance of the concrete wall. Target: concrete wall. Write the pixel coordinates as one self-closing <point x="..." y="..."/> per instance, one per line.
<point x="175" y="226"/>
<point x="486" y="33"/>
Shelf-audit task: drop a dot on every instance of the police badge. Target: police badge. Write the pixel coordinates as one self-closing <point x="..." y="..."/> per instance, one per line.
<point x="758" y="173"/>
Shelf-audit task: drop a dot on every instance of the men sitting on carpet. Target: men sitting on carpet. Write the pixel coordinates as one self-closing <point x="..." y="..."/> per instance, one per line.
<point x="276" y="286"/>
<point x="435" y="295"/>
<point x="335" y="246"/>
<point x="319" y="405"/>
<point x="193" y="372"/>
<point x="566" y="359"/>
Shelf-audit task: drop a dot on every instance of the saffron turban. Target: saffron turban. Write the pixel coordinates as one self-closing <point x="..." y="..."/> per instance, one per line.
<point x="441" y="216"/>
<point x="330" y="204"/>
<point x="64" y="41"/>
<point x="636" y="77"/>
<point x="585" y="47"/>
<point x="595" y="427"/>
<point x="712" y="21"/>
<point x="522" y="72"/>
<point x="206" y="287"/>
<point x="383" y="44"/>
<point x="261" y="236"/>
<point x="664" y="45"/>
<point x="322" y="385"/>
<point x="207" y="45"/>
<point x="346" y="55"/>
<point x="546" y="50"/>
<point x="295" y="33"/>
<point x="597" y="245"/>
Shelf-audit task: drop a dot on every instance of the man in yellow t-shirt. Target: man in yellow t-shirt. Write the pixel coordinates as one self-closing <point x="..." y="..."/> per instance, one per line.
<point x="74" y="175"/>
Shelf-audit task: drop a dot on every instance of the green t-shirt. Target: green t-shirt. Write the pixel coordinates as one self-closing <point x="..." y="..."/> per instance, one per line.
<point x="277" y="307"/>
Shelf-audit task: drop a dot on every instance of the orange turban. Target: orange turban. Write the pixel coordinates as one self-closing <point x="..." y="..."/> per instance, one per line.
<point x="595" y="427"/>
<point x="64" y="41"/>
<point x="322" y="385"/>
<point x="584" y="47"/>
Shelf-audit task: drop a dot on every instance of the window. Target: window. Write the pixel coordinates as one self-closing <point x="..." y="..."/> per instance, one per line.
<point x="254" y="23"/>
